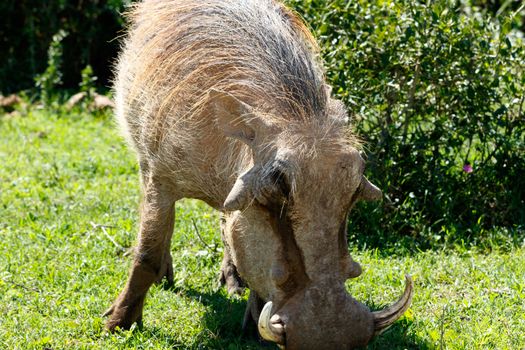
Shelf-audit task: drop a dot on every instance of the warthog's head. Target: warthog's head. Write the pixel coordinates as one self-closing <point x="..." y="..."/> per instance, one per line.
<point x="287" y="228"/>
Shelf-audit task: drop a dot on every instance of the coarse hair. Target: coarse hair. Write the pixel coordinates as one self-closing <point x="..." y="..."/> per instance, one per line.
<point x="260" y="51"/>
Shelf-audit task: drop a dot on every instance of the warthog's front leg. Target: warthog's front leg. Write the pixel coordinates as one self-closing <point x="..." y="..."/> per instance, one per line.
<point x="229" y="275"/>
<point x="152" y="259"/>
<point x="253" y="311"/>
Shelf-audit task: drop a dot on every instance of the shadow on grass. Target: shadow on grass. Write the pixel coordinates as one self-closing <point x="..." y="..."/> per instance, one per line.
<point x="223" y="321"/>
<point x="399" y="337"/>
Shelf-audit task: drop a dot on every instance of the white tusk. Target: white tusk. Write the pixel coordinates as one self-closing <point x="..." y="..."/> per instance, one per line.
<point x="264" y="325"/>
<point x="386" y="317"/>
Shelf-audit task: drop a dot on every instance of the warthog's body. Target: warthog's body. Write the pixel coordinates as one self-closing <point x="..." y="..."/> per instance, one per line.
<point x="225" y="101"/>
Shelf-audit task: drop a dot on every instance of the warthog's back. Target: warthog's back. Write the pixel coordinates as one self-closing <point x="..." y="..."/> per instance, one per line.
<point x="177" y="51"/>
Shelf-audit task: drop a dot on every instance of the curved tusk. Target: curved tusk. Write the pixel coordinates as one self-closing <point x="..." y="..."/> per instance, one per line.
<point x="266" y="330"/>
<point x="383" y="319"/>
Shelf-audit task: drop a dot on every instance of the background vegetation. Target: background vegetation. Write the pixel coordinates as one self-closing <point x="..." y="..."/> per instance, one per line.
<point x="435" y="88"/>
<point x="437" y="91"/>
<point x="29" y="27"/>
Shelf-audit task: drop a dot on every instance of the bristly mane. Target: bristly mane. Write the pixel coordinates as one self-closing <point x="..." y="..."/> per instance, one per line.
<point x="237" y="46"/>
<point x="258" y="50"/>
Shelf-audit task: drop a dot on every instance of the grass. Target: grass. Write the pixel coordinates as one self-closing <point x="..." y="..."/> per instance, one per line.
<point x="64" y="174"/>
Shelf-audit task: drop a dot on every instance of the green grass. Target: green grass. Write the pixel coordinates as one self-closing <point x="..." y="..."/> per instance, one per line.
<point x="61" y="173"/>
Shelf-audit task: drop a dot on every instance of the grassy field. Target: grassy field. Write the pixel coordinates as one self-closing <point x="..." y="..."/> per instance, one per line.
<point x="68" y="213"/>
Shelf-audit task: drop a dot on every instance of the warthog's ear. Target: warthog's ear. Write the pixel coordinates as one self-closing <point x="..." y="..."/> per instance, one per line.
<point x="369" y="191"/>
<point x="241" y="193"/>
<point x="233" y="116"/>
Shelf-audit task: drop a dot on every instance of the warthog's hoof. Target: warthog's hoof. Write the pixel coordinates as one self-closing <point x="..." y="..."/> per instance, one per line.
<point x="231" y="279"/>
<point x="166" y="270"/>
<point x="123" y="317"/>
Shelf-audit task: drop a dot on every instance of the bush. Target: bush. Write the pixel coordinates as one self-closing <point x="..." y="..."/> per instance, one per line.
<point x="439" y="98"/>
<point x="52" y="76"/>
<point x="436" y="90"/>
<point x="27" y="29"/>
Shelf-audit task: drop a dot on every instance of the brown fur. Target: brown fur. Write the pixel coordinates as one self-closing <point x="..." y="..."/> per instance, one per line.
<point x="225" y="101"/>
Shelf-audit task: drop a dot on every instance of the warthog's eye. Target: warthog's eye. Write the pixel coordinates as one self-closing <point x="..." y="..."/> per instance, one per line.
<point x="273" y="188"/>
<point x="280" y="181"/>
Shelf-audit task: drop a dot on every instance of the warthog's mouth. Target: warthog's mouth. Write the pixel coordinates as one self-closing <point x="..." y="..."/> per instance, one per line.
<point x="347" y="314"/>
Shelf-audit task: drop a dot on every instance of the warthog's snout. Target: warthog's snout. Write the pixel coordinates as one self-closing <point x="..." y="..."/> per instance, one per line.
<point x="319" y="319"/>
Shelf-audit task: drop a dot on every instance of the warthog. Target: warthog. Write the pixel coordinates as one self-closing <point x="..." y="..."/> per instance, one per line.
<point x="226" y="101"/>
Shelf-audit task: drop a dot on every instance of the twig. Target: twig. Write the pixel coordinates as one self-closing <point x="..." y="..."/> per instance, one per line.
<point x="520" y="109"/>
<point x="518" y="10"/>
<point x="102" y="225"/>
<point x="29" y="289"/>
<point x="411" y="97"/>
<point x="128" y="252"/>
<point x="103" y="229"/>
<point x="199" y="235"/>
